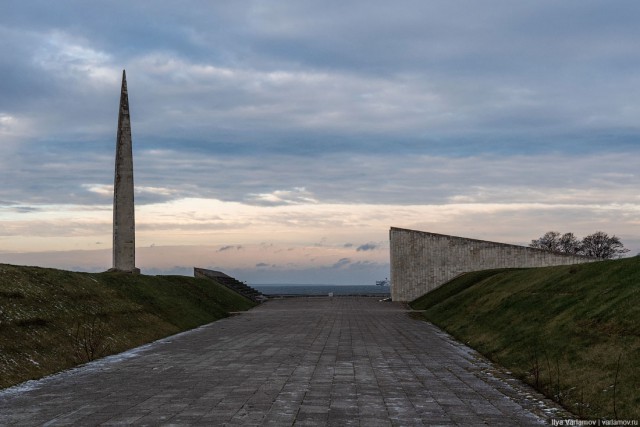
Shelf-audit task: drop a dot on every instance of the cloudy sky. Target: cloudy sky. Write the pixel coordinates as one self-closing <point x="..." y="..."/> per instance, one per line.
<point x="279" y="141"/>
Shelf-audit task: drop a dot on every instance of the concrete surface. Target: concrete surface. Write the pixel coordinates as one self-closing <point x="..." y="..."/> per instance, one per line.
<point x="422" y="261"/>
<point x="124" y="227"/>
<point x="299" y="361"/>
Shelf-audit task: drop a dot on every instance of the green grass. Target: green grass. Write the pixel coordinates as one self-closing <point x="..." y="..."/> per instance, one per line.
<point x="573" y="332"/>
<point x="51" y="320"/>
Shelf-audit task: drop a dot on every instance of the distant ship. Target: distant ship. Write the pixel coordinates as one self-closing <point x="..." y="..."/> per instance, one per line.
<point x="384" y="282"/>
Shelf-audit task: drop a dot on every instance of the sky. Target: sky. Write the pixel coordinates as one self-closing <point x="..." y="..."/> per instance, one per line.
<point x="279" y="141"/>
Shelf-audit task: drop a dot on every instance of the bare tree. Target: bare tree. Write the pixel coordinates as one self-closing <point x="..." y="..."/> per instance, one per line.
<point x="596" y="245"/>
<point x="549" y="242"/>
<point x="569" y="244"/>
<point x="601" y="245"/>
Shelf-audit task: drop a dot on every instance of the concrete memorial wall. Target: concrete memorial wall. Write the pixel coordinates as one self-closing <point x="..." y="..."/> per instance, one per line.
<point x="422" y="261"/>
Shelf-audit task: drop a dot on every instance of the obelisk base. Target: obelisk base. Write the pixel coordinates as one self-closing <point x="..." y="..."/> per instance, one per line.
<point x="117" y="270"/>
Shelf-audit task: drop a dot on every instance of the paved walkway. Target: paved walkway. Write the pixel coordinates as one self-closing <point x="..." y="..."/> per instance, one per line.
<point x="302" y="361"/>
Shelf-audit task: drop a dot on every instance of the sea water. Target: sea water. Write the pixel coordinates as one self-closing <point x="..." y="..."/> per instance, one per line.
<point x="317" y="290"/>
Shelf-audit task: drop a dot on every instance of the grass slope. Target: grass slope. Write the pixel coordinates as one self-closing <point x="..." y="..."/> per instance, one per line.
<point x="51" y="320"/>
<point x="573" y="332"/>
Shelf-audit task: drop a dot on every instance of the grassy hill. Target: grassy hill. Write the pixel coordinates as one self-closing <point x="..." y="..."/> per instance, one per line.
<point x="51" y="319"/>
<point x="573" y="332"/>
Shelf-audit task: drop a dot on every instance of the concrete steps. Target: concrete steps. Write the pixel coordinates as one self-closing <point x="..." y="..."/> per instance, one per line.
<point x="231" y="283"/>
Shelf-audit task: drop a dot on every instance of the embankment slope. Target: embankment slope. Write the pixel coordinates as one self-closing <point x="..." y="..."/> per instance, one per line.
<point x="51" y="320"/>
<point x="571" y="331"/>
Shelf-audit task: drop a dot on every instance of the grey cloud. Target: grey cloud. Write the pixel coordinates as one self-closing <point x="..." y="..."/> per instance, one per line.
<point x="427" y="102"/>
<point x="367" y="247"/>
<point x="24" y="209"/>
<point x="322" y="84"/>
<point x="413" y="180"/>
<point x="230" y="247"/>
<point x="363" y="178"/>
<point x="343" y="262"/>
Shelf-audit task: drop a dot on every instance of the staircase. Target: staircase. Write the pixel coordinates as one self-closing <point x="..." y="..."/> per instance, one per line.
<point x="231" y="283"/>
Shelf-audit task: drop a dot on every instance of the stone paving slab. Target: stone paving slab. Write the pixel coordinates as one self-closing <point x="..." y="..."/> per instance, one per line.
<point x="301" y="361"/>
